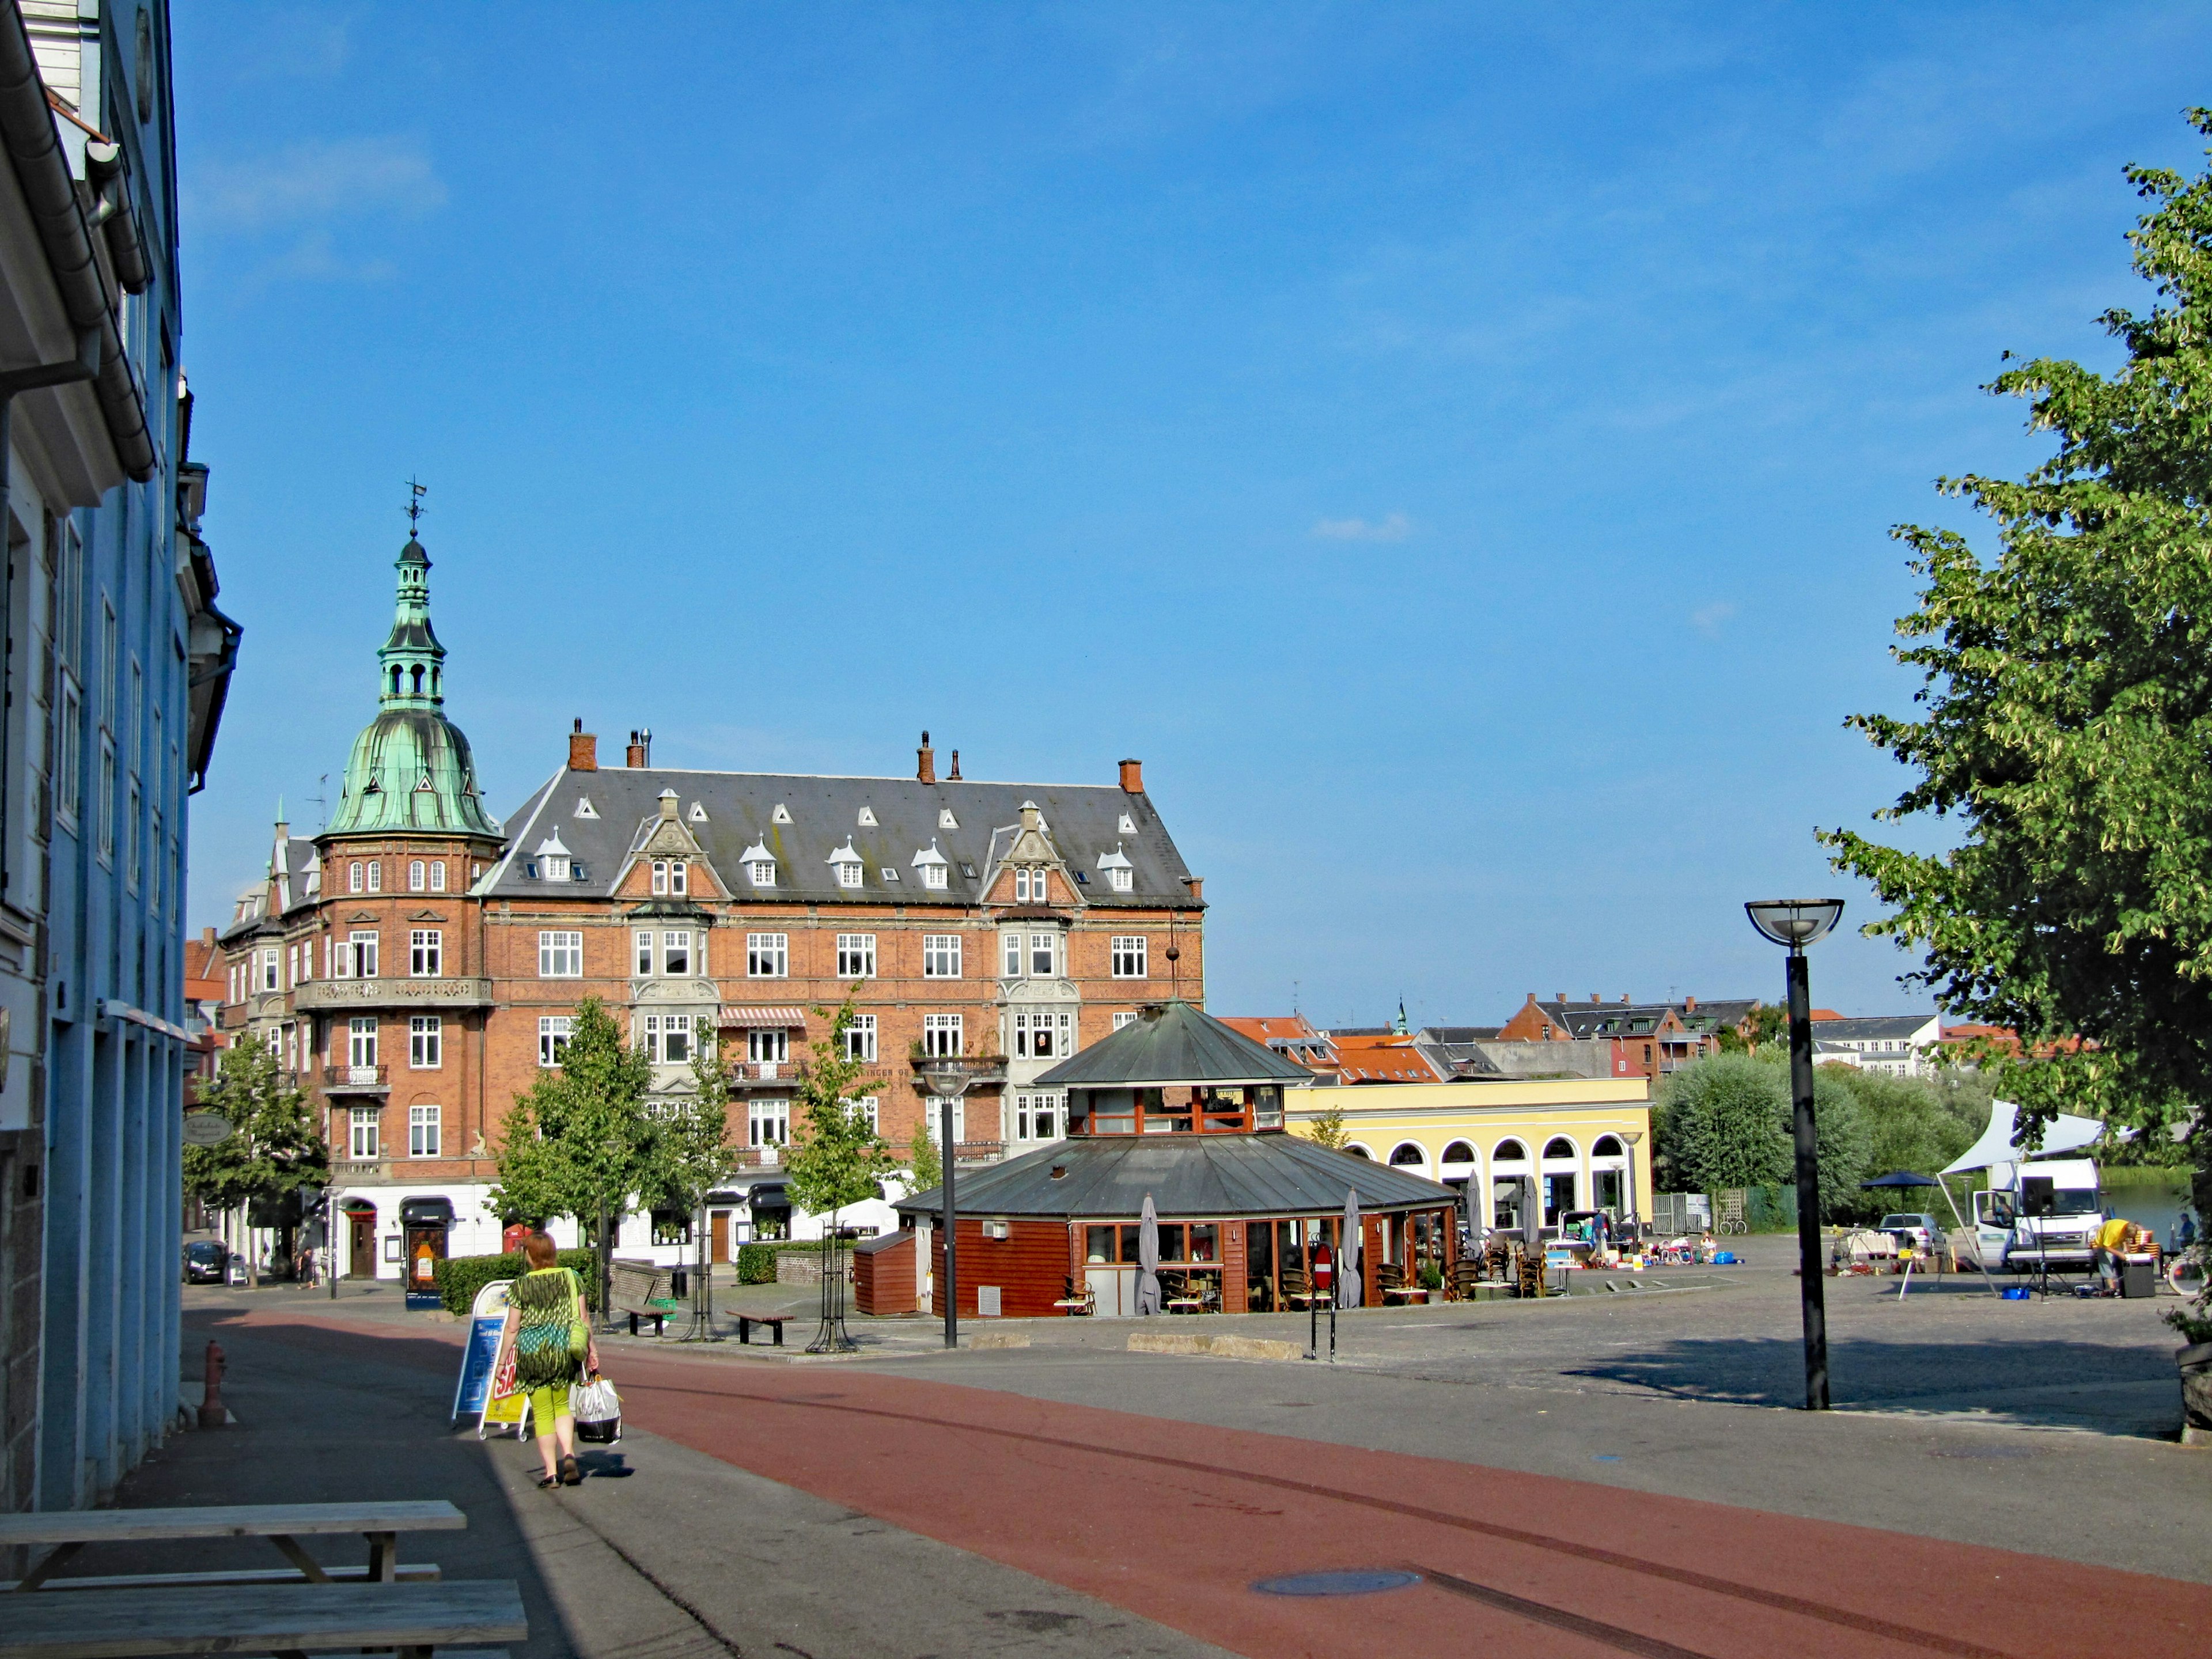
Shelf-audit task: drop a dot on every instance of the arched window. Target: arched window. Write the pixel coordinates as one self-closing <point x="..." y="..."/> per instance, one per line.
<point x="434" y="682"/>
<point x="418" y="679"/>
<point x="1407" y="1156"/>
<point x="1608" y="1147"/>
<point x="1510" y="1151"/>
<point x="1358" y="1150"/>
<point x="1558" y="1146"/>
<point x="395" y="679"/>
<point x="1459" y="1152"/>
<point x="416" y="876"/>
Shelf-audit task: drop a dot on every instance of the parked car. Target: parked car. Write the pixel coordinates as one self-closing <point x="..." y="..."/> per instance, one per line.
<point x="206" y="1261"/>
<point x="1915" y="1228"/>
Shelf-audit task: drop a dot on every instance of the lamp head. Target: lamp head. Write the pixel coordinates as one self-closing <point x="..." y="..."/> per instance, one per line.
<point x="1794" y="923"/>
<point x="944" y="1076"/>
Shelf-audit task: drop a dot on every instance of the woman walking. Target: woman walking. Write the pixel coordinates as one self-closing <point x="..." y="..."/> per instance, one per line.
<point x="549" y="1341"/>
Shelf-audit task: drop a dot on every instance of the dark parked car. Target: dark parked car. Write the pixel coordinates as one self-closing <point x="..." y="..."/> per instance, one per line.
<point x="206" y="1260"/>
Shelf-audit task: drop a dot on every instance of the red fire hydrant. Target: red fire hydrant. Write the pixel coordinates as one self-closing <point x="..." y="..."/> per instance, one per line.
<point x="212" y="1413"/>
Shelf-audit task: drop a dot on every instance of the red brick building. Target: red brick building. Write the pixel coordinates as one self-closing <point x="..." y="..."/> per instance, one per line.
<point x="421" y="968"/>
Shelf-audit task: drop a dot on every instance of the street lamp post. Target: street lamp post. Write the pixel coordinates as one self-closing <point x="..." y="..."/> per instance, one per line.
<point x="1628" y="1140"/>
<point x="948" y="1077"/>
<point x="1795" y="924"/>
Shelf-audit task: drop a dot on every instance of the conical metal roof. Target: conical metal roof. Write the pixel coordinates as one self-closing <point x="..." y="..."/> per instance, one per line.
<point x="1171" y="1042"/>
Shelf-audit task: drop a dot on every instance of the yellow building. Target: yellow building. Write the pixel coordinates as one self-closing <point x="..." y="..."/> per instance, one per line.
<point x="1586" y="1141"/>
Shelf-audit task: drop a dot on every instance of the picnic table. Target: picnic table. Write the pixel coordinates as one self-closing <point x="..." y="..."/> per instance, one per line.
<point x="283" y="1620"/>
<point x="69" y="1531"/>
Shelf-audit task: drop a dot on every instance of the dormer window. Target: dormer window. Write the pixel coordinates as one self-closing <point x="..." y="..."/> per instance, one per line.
<point x="1029" y="887"/>
<point x="1121" y="874"/>
<point x="1129" y="825"/>
<point x="847" y="865"/>
<point x="552" y="858"/>
<point x="934" y="867"/>
<point x="760" y="864"/>
<point x="945" y="820"/>
<point x="671" y="878"/>
<point x="868" y="817"/>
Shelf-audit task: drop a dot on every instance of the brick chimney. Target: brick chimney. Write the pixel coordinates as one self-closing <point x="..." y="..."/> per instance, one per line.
<point x="1196" y="883"/>
<point x="1689" y="1005"/>
<point x="955" y="778"/>
<point x="925" y="762"/>
<point x="207" y="937"/>
<point x="1133" y="777"/>
<point x="583" y="751"/>
<point x="640" y="752"/>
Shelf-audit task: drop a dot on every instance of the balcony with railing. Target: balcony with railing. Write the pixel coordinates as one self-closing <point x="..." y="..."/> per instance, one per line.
<point x="356" y="1080"/>
<point x="965" y="1152"/>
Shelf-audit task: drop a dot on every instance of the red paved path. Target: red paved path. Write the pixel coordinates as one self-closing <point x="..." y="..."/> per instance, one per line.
<point x="1175" y="1521"/>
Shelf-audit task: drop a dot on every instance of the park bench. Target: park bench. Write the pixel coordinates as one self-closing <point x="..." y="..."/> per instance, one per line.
<point x="643" y="1292"/>
<point x="774" y="1322"/>
<point x="414" y="1620"/>
<point x="67" y="1532"/>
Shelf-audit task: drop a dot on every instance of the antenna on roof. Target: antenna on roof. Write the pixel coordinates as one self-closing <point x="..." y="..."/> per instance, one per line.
<point x="416" y="492"/>
<point x="322" y="806"/>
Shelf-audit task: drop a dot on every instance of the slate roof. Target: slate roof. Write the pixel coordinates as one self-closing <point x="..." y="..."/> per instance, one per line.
<point x="1173" y="1042"/>
<point x="1611" y="1020"/>
<point x="1083" y="821"/>
<point x="1879" y="1029"/>
<point x="1199" y="1177"/>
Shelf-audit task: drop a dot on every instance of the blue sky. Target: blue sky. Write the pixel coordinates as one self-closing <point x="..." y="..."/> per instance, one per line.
<point x="1454" y="446"/>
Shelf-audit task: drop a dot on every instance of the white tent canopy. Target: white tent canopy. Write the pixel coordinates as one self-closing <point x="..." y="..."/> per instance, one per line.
<point x="1999" y="1145"/>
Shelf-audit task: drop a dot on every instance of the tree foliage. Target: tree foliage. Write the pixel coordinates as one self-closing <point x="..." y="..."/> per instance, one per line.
<point x="1721" y="1123"/>
<point x="274" y="1146"/>
<point x="837" y="1157"/>
<point x="689" y="1153"/>
<point x="580" y="1141"/>
<point x="1327" y="1129"/>
<point x="2066" y="716"/>
<point x="924" y="1167"/>
<point x="1767" y="1022"/>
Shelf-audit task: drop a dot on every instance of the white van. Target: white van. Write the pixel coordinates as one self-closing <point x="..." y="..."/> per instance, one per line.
<point x="2041" y="1208"/>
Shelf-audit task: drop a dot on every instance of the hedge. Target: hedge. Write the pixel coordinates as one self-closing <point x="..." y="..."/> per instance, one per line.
<point x="460" y="1278"/>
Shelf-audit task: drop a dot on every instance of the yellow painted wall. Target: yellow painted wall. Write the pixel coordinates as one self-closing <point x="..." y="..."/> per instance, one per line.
<point x="1382" y="1117"/>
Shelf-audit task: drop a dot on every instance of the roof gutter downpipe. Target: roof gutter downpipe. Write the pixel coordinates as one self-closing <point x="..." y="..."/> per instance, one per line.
<point x="26" y="131"/>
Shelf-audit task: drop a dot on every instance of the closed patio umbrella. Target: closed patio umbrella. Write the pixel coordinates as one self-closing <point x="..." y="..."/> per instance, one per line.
<point x="1347" y="1255"/>
<point x="1148" y="1258"/>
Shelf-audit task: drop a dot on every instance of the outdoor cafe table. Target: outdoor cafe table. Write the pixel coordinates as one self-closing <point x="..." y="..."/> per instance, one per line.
<point x="69" y="1531"/>
<point x="283" y="1620"/>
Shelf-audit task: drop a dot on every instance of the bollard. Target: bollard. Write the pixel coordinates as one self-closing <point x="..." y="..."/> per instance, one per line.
<point x="212" y="1415"/>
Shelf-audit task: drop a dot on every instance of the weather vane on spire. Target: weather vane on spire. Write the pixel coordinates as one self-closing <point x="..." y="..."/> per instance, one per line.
<point x="416" y="493"/>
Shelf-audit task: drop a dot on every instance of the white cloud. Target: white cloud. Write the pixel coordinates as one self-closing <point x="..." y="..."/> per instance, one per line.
<point x="1707" y="619"/>
<point x="1395" y="528"/>
<point x="312" y="183"/>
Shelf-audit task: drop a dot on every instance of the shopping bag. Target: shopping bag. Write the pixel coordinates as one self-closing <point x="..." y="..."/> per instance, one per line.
<point x="598" y="1410"/>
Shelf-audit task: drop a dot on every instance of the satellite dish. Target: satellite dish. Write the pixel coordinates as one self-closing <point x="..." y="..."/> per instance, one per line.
<point x="206" y="1129"/>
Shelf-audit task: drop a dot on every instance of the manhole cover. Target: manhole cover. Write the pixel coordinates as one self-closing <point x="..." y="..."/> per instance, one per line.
<point x="1366" y="1582"/>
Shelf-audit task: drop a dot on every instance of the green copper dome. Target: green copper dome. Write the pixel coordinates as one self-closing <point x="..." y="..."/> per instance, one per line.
<point x="410" y="769"/>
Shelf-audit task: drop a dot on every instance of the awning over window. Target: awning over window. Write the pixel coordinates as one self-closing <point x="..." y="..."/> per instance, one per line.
<point x="757" y="1016"/>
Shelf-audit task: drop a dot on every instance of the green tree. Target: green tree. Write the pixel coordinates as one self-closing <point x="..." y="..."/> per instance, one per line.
<point x="2067" y="721"/>
<point x="1720" y="1124"/>
<point x="1327" y="1129"/>
<point x="1843" y="1140"/>
<point x="580" y="1141"/>
<point x="273" y="1148"/>
<point x="837" y="1157"/>
<point x="926" y="1168"/>
<point x="1919" y="1124"/>
<point x="1767" y="1022"/>
<point x="689" y="1155"/>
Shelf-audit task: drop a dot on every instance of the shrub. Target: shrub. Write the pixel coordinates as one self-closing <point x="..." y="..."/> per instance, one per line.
<point x="756" y="1262"/>
<point x="458" y="1278"/>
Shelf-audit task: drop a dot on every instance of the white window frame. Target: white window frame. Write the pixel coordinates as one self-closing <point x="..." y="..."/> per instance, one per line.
<point x="267" y="976"/>
<point x="941" y="956"/>
<point x="1121" y="879"/>
<point x="768" y="956"/>
<point x="1042" y="1033"/>
<point x="668" y="1039"/>
<point x="860" y="1038"/>
<point x="426" y="953"/>
<point x="642" y="956"/>
<point x="354" y="877"/>
<point x="768" y="1121"/>
<point x="560" y="954"/>
<point x="426" y="1042"/>
<point x="761" y="873"/>
<point x="376" y="875"/>
<point x="361" y="953"/>
<point x="1041" y="1115"/>
<point x="553" y="1033"/>
<point x="942" y="1034"/>
<point x="1131" y="956"/>
<point x="936" y="876"/>
<point x="856" y="955"/>
<point x="849" y="871"/>
<point x="676" y="953"/>
<point x="1125" y="1017"/>
<point x="1010" y="955"/>
<point x="437" y="875"/>
<point x="1046" y="947"/>
<point x="418" y="876"/>
<point x="360" y="1040"/>
<point x="426" y="1132"/>
<point x="768" y="1045"/>
<point x="362" y="1134"/>
<point x="867" y="1106"/>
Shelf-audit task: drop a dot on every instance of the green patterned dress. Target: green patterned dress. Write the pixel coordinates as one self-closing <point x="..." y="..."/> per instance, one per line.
<point x="547" y="1303"/>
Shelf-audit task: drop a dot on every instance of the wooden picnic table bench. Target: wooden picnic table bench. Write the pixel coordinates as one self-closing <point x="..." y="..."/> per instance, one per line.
<point x="774" y="1322"/>
<point x="284" y="1619"/>
<point x="642" y="1291"/>
<point x="69" y="1531"/>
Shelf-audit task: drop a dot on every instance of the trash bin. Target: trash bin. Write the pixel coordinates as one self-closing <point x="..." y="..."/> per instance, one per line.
<point x="679" y="1283"/>
<point x="2138" y="1278"/>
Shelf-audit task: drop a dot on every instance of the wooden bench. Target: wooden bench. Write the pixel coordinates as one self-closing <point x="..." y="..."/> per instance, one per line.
<point x="642" y="1291"/>
<point x="415" y="1619"/>
<point x="774" y="1322"/>
<point x="69" y="1531"/>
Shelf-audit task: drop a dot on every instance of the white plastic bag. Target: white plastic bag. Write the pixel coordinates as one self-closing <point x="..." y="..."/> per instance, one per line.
<point x="598" y="1410"/>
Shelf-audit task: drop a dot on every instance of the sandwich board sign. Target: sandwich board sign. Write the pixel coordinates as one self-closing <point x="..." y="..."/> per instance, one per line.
<point x="486" y="1319"/>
